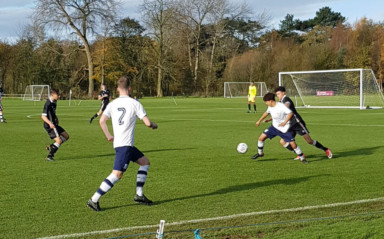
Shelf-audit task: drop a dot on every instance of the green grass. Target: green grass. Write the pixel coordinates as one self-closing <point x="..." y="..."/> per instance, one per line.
<point x="195" y="173"/>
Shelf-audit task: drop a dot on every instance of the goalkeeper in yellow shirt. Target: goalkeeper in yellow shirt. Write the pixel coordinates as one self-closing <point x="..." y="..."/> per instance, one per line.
<point x="251" y="96"/>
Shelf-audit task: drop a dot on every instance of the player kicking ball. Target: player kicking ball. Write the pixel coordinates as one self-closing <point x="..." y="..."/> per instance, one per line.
<point x="123" y="112"/>
<point x="105" y="97"/>
<point x="280" y="116"/>
<point x="51" y="124"/>
<point x="298" y="124"/>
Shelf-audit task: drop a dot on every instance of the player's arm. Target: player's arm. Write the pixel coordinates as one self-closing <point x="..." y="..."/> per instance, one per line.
<point x="149" y="123"/>
<point x="267" y="120"/>
<point x="104" y="127"/>
<point x="100" y="97"/>
<point x="287" y="119"/>
<point x="46" y="120"/>
<point x="261" y="118"/>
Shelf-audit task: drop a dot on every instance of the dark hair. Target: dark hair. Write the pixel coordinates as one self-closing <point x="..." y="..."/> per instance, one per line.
<point x="54" y="91"/>
<point x="269" y="96"/>
<point x="123" y="83"/>
<point x="280" y="88"/>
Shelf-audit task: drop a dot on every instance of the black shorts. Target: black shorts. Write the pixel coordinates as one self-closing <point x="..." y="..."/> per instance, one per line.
<point x="299" y="128"/>
<point x="51" y="132"/>
<point x="124" y="155"/>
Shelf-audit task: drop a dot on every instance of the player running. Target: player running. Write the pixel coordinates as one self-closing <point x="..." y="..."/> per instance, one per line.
<point x="123" y="111"/>
<point x="105" y="97"/>
<point x="280" y="116"/>
<point x="1" y="108"/>
<point x="251" y="96"/>
<point x="51" y="124"/>
<point x="298" y="124"/>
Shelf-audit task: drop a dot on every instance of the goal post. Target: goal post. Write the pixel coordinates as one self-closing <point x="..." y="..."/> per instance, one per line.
<point x="240" y="89"/>
<point x="36" y="92"/>
<point x="343" y="88"/>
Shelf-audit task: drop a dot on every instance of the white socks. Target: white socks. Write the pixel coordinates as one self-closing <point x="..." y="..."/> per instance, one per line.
<point x="105" y="186"/>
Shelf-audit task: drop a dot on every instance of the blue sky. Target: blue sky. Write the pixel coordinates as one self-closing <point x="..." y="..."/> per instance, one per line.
<point x="14" y="14"/>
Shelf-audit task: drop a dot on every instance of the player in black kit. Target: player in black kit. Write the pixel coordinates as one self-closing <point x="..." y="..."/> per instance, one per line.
<point x="298" y="125"/>
<point x="51" y="124"/>
<point x="105" y="97"/>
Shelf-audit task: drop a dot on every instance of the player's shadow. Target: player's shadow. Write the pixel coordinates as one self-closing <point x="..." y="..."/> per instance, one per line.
<point x="346" y="153"/>
<point x="88" y="156"/>
<point x="235" y="188"/>
<point x="161" y="150"/>
<point x="113" y="154"/>
<point x="245" y="187"/>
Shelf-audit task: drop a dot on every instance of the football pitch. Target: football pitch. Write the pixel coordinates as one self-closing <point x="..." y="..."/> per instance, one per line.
<point x="197" y="179"/>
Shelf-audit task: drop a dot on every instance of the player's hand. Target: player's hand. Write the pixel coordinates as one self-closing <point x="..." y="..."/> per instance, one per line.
<point x="52" y="126"/>
<point x="257" y="123"/>
<point x="110" y="138"/>
<point x="154" y="125"/>
<point x="282" y="124"/>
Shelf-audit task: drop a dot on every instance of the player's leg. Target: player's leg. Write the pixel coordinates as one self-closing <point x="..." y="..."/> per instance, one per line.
<point x="298" y="151"/>
<point x="1" y="114"/>
<point x="289" y="137"/>
<point x="317" y="144"/>
<point x="105" y="186"/>
<point x="286" y="145"/>
<point x="260" y="145"/>
<point x="53" y="148"/>
<point x="141" y="177"/>
<point x="61" y="137"/>
<point x="254" y="104"/>
<point x="102" y="108"/>
<point x="249" y="106"/>
<point x="119" y="167"/>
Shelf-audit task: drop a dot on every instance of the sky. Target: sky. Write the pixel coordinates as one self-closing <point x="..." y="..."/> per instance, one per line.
<point x="14" y="14"/>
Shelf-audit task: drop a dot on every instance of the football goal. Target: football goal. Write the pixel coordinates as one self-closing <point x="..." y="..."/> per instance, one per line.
<point x="240" y="89"/>
<point x="36" y="92"/>
<point x="347" y="88"/>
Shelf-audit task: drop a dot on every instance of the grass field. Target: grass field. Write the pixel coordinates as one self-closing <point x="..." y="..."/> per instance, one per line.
<point x="195" y="173"/>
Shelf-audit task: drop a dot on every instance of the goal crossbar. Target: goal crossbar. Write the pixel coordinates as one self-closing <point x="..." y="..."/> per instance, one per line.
<point x="341" y="88"/>
<point x="240" y="89"/>
<point x="36" y="92"/>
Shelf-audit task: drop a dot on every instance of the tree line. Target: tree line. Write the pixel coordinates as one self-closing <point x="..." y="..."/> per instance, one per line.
<point x="180" y="47"/>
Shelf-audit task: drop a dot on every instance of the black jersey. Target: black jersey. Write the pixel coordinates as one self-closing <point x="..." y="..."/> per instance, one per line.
<point x="105" y="99"/>
<point x="296" y="117"/>
<point x="50" y="111"/>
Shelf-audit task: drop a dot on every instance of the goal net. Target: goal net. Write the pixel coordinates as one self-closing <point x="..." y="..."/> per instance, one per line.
<point x="36" y="92"/>
<point x="240" y="89"/>
<point x="349" y="88"/>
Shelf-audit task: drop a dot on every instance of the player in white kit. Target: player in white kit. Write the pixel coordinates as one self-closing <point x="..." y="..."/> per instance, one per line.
<point x="123" y="111"/>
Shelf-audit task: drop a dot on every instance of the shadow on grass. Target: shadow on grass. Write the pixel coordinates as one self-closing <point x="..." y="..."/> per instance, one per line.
<point x="346" y="153"/>
<point x="235" y="188"/>
<point x="113" y="154"/>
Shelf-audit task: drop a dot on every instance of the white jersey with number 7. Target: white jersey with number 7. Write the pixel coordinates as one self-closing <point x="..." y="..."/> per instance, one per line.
<point x="123" y="111"/>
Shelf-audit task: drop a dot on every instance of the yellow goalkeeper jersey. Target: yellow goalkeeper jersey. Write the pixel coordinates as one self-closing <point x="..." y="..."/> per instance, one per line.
<point x="252" y="91"/>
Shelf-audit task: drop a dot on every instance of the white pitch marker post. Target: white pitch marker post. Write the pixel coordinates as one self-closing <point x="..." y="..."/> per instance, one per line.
<point x="160" y="231"/>
<point x="70" y="96"/>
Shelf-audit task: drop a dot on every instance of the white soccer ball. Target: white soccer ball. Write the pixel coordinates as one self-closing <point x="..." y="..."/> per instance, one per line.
<point x="242" y="148"/>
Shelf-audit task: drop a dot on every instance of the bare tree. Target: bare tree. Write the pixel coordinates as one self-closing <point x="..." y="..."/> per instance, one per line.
<point x="158" y="17"/>
<point x="82" y="17"/>
<point x="223" y="10"/>
<point x="192" y="15"/>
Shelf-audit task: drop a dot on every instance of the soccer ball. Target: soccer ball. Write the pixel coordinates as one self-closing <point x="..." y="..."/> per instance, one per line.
<point x="242" y="148"/>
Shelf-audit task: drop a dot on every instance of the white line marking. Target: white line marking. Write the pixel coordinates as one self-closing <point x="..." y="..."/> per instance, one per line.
<point x="218" y="218"/>
<point x="253" y="121"/>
